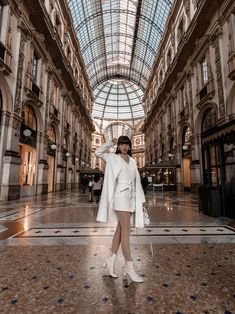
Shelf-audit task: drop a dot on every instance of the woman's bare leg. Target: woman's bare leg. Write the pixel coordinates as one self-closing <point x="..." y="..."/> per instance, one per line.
<point x="116" y="239"/>
<point x="124" y="222"/>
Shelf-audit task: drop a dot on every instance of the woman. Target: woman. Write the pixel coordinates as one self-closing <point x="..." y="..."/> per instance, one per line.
<point x="122" y="198"/>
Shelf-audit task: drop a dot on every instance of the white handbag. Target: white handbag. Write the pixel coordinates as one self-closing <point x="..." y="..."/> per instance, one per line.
<point x="146" y="216"/>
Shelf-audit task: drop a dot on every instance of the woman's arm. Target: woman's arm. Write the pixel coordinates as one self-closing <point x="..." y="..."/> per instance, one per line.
<point x="101" y="152"/>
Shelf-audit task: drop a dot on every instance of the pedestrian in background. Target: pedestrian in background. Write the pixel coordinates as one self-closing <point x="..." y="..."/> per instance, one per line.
<point x="97" y="187"/>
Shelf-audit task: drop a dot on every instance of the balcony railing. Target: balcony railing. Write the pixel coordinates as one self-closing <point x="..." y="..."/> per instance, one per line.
<point x="35" y="89"/>
<point x="184" y="113"/>
<point x="203" y="92"/>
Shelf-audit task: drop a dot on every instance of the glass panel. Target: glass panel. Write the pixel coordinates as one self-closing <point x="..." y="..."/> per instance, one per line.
<point x="209" y="119"/>
<point x="114" y="45"/>
<point x="34" y="68"/>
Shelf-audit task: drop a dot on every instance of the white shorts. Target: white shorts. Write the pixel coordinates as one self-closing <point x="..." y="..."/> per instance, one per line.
<point x="124" y="198"/>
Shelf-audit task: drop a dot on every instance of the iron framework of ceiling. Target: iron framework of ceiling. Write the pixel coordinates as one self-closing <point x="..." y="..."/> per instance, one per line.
<point x="119" y="39"/>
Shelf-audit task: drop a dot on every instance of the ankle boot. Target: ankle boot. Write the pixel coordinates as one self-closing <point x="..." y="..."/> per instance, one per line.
<point x="110" y="263"/>
<point x="128" y="269"/>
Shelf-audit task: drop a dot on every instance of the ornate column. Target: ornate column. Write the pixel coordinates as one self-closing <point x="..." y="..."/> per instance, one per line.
<point x="42" y="180"/>
<point x="219" y="78"/>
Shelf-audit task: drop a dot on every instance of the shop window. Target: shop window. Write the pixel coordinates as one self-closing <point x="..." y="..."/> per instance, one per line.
<point x="209" y="119"/>
<point x="27" y="147"/>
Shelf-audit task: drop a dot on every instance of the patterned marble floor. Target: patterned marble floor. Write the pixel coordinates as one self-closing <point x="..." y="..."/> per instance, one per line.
<point x="52" y="249"/>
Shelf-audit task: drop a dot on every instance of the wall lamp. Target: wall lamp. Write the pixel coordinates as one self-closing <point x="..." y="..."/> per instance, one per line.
<point x="53" y="146"/>
<point x="27" y="132"/>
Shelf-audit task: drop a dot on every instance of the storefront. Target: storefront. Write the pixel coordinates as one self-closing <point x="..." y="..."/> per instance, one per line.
<point x="218" y="157"/>
<point x="27" y="150"/>
<point x="161" y="175"/>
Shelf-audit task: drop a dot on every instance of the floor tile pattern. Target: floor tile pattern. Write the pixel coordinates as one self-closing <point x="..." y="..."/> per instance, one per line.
<point x="52" y="249"/>
<point x="150" y="231"/>
<point x="69" y="279"/>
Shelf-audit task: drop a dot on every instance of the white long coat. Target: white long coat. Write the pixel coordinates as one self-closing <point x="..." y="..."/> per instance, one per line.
<point x="112" y="170"/>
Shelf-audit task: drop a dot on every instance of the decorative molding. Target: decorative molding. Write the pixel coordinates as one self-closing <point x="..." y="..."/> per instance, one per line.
<point x="219" y="78"/>
<point x="18" y="93"/>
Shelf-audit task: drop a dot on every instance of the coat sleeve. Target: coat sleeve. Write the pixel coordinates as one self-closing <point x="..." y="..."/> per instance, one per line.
<point x="138" y="183"/>
<point x="102" y="151"/>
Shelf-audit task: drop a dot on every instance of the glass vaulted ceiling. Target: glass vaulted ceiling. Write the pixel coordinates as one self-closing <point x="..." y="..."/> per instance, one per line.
<point x="119" y="41"/>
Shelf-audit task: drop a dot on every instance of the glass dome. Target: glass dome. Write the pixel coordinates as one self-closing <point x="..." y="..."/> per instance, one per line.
<point x="118" y="100"/>
<point x="119" y="39"/>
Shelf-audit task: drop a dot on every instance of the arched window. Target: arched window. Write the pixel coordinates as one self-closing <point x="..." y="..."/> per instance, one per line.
<point x="186" y="136"/>
<point x="209" y="119"/>
<point x="51" y="134"/>
<point x="29" y="118"/>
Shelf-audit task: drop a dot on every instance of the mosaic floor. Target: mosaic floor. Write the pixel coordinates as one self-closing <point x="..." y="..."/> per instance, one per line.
<point x="52" y="250"/>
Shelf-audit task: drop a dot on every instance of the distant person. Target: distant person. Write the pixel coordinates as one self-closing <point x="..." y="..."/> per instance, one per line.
<point x="145" y="183"/>
<point x="84" y="184"/>
<point x="97" y="187"/>
<point x="90" y="187"/>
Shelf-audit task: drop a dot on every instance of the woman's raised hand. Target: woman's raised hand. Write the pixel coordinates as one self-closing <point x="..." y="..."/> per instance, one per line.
<point x="114" y="140"/>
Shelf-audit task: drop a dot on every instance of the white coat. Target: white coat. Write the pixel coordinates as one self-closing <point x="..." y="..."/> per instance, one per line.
<point x="112" y="169"/>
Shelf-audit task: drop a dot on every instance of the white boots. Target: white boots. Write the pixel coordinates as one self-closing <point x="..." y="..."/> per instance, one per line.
<point x="128" y="269"/>
<point x="110" y="263"/>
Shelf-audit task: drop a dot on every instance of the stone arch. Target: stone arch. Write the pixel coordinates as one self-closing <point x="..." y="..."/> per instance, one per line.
<point x="57" y="131"/>
<point x="7" y="101"/>
<point x="181" y="132"/>
<point x="37" y="112"/>
<point x="199" y="118"/>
